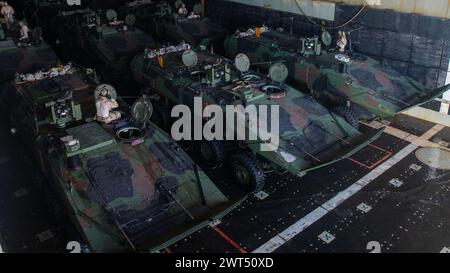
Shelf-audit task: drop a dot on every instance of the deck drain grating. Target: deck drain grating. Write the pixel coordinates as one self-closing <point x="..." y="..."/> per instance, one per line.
<point x="215" y="223"/>
<point x="415" y="167"/>
<point x="364" y="207"/>
<point x="326" y="237"/>
<point x="46" y="235"/>
<point x="397" y="183"/>
<point x="261" y="195"/>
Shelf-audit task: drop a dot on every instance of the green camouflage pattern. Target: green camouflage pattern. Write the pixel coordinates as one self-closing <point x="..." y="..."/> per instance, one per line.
<point x="373" y="90"/>
<point x="308" y="131"/>
<point x="125" y="196"/>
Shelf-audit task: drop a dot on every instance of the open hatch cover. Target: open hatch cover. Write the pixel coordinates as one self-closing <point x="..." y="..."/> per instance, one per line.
<point x="142" y="110"/>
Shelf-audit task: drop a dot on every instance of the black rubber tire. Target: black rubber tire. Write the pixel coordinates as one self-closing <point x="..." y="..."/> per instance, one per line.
<point x="249" y="162"/>
<point x="349" y="114"/>
<point x="217" y="150"/>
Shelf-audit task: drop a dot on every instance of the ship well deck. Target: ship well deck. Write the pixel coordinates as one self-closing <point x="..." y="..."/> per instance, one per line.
<point x="382" y="196"/>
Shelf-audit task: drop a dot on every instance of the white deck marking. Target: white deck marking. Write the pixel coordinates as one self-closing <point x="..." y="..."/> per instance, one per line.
<point x="445" y="106"/>
<point x="331" y="204"/>
<point x="261" y="195"/>
<point x="215" y="223"/>
<point x="364" y="207"/>
<point x="422" y="142"/>
<point x="396" y="183"/>
<point x="428" y="115"/>
<point x="415" y="167"/>
<point x="302" y="224"/>
<point x="326" y="237"/>
<point x="46" y="235"/>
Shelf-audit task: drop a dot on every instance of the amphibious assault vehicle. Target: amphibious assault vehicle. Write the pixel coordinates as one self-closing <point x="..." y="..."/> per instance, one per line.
<point x="354" y="85"/>
<point x="310" y="136"/>
<point x="100" y="38"/>
<point x="23" y="57"/>
<point x="127" y="186"/>
<point x="162" y="20"/>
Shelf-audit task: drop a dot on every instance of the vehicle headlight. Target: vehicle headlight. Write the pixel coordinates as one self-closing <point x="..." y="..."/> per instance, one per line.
<point x="289" y="158"/>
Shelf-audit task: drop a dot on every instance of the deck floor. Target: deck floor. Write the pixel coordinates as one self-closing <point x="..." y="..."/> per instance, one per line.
<point x="381" y="199"/>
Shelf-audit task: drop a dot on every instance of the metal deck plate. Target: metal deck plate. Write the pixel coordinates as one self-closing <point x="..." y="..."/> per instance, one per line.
<point x="91" y="135"/>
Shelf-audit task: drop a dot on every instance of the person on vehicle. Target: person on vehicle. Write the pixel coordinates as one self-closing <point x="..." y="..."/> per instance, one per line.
<point x="7" y="13"/>
<point x="23" y="29"/>
<point x="341" y="42"/>
<point x="183" y="10"/>
<point x="105" y="105"/>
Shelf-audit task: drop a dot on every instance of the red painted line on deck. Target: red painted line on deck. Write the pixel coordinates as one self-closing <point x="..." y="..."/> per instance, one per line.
<point x="357" y="162"/>
<point x="168" y="250"/>
<point x="228" y="239"/>
<point x="381" y="149"/>
<point x="378" y="162"/>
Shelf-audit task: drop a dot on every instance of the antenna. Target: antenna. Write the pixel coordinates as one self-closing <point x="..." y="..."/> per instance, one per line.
<point x="291" y="32"/>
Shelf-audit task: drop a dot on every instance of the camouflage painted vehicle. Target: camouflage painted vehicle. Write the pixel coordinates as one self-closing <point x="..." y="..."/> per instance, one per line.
<point x="150" y="15"/>
<point x="160" y="19"/>
<point x="102" y="38"/>
<point x="126" y="186"/>
<point x="64" y="4"/>
<point x="310" y="136"/>
<point x="356" y="86"/>
<point x="16" y="58"/>
<point x="104" y="4"/>
<point x="57" y="4"/>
